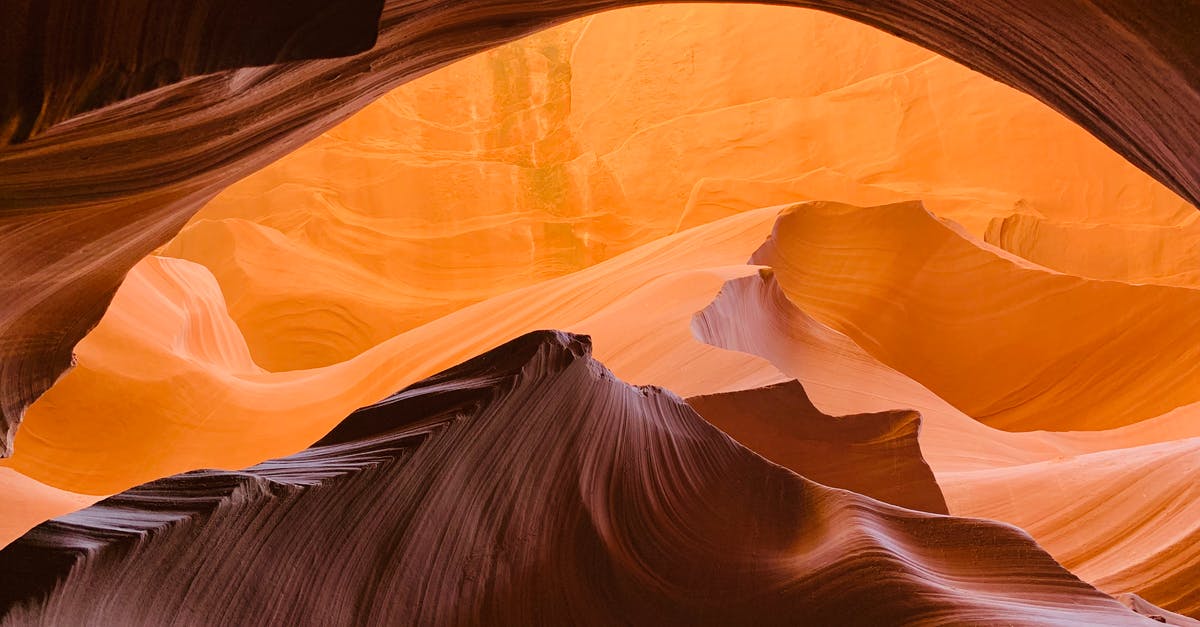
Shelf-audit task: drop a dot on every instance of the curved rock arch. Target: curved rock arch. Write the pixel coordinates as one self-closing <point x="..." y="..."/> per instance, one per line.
<point x="110" y="168"/>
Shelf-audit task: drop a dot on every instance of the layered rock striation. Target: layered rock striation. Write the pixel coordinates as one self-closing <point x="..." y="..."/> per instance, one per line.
<point x="528" y="485"/>
<point x="88" y="195"/>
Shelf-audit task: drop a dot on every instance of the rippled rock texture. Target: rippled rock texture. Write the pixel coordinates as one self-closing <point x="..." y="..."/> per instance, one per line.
<point x="528" y="486"/>
<point x="87" y="196"/>
<point x="877" y="275"/>
<point x="519" y="165"/>
<point x="930" y="303"/>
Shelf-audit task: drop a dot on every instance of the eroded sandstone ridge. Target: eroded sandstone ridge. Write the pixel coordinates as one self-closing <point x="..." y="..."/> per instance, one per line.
<point x="965" y="305"/>
<point x="166" y="384"/>
<point x="528" y="486"/>
<point x="92" y="190"/>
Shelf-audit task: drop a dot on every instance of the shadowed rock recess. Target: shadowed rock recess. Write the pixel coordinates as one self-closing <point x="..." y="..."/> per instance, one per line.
<point x="874" y="454"/>
<point x="113" y="139"/>
<point x="528" y="486"/>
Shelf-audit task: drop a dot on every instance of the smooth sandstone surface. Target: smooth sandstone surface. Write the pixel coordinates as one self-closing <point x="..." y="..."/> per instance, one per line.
<point x="190" y="396"/>
<point x="753" y="315"/>
<point x="1009" y="343"/>
<point x="1146" y="608"/>
<point x="654" y="344"/>
<point x="1157" y="253"/>
<point x="33" y="502"/>
<point x="1123" y="519"/>
<point x="1130" y="488"/>
<point x="1027" y="317"/>
<point x="876" y="454"/>
<point x="136" y="136"/>
<point x="549" y="154"/>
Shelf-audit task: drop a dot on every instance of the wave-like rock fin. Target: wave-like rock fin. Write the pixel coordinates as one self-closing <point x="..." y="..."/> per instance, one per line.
<point x="528" y="486"/>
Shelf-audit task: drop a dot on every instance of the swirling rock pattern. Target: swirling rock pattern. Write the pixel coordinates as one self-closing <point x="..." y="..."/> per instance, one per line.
<point x="1126" y="519"/>
<point x="873" y="454"/>
<point x="191" y="397"/>
<point x="62" y="58"/>
<point x="529" y="486"/>
<point x="753" y="315"/>
<point x="1145" y="608"/>
<point x="519" y="164"/>
<point x="1114" y="506"/>
<point x="968" y="320"/>
<point x="83" y="200"/>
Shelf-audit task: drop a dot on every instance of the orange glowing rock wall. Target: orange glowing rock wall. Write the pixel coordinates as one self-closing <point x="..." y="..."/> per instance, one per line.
<point x="1010" y="340"/>
<point x="547" y="155"/>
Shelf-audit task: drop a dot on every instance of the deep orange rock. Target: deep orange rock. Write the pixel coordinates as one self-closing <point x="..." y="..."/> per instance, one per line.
<point x="1009" y="343"/>
<point x="518" y="165"/>
<point x="71" y="232"/>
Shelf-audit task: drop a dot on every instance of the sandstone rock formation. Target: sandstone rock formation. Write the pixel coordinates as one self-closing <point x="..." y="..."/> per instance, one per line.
<point x="1009" y="343"/>
<point x="528" y="486"/>
<point x="1120" y="69"/>
<point x="519" y="164"/>
<point x="1141" y="606"/>
<point x="191" y="398"/>
<point x="650" y="343"/>
<point x="63" y="59"/>
<point x="1151" y="252"/>
<point x="912" y="310"/>
<point x="1131" y="489"/>
<point x="876" y="455"/>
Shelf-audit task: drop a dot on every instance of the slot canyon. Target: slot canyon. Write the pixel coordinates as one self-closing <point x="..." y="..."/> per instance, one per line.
<point x="415" y="312"/>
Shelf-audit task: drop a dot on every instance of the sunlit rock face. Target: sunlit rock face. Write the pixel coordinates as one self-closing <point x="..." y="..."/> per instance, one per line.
<point x="1012" y="344"/>
<point x="889" y="288"/>
<point x="545" y="156"/>
<point x="191" y="398"/>
<point x="1149" y="252"/>
<point x="114" y="136"/>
